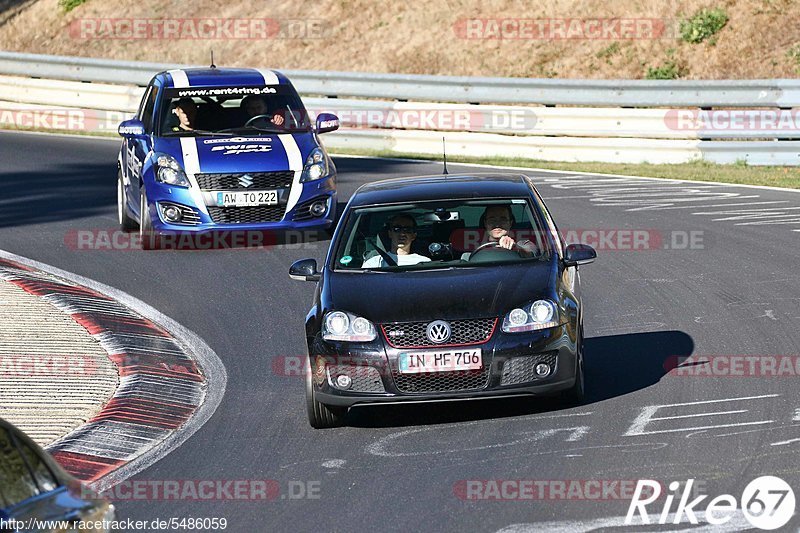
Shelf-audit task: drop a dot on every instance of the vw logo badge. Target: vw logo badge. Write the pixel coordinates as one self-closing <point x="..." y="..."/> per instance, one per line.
<point x="246" y="180"/>
<point x="438" y="331"/>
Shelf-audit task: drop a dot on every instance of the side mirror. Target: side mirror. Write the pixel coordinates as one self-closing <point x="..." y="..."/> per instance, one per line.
<point x="579" y="254"/>
<point x="304" y="270"/>
<point x="327" y="122"/>
<point x="131" y="129"/>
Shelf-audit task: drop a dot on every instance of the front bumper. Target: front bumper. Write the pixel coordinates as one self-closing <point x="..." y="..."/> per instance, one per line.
<point x="508" y="363"/>
<point x="280" y="218"/>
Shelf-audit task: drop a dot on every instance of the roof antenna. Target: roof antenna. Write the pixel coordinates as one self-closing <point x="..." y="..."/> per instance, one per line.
<point x="212" y="60"/>
<point x="444" y="153"/>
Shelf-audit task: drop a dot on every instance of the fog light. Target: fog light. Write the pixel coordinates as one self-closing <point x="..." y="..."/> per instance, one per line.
<point x="172" y="213"/>
<point x="318" y="208"/>
<point x="343" y="381"/>
<point x="542" y="370"/>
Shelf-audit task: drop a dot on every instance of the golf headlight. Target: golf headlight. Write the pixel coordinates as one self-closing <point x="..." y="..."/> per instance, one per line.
<point x="341" y="326"/>
<point x="169" y="171"/>
<point x="541" y="314"/>
<point x="316" y="166"/>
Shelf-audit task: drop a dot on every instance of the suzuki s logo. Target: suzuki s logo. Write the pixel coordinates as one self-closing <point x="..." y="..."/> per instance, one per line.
<point x="438" y="331"/>
<point x="246" y="180"/>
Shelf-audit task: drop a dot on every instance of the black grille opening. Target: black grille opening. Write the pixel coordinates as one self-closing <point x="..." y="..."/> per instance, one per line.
<point x="246" y="215"/>
<point x="522" y="369"/>
<point x="461" y="380"/>
<point x="413" y="334"/>
<point x="260" y="180"/>
<point x="364" y="378"/>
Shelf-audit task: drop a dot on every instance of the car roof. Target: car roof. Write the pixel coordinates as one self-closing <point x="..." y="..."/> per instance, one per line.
<point x="216" y="77"/>
<point x="441" y="187"/>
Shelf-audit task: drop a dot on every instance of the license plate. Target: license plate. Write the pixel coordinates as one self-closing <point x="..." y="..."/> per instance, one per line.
<point x="440" y="361"/>
<point x="247" y="198"/>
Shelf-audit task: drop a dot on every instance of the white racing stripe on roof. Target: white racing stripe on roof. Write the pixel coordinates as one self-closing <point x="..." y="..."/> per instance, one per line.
<point x="191" y="164"/>
<point x="270" y="78"/>
<point x="179" y="78"/>
<point x="296" y="164"/>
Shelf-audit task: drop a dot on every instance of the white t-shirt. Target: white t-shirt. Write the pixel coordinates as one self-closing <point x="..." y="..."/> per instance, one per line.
<point x="376" y="261"/>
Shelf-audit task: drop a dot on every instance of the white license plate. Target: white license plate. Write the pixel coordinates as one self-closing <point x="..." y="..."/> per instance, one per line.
<point x="247" y="198"/>
<point x="440" y="361"/>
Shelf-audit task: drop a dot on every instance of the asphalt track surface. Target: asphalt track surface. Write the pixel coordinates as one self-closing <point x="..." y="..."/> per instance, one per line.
<point x="396" y="469"/>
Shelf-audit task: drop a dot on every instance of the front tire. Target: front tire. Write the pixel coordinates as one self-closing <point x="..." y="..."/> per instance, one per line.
<point x="126" y="222"/>
<point x="576" y="394"/>
<point x="321" y="416"/>
<point x="148" y="238"/>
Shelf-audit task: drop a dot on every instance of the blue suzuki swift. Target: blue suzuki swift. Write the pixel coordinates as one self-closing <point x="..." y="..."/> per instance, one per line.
<point x="223" y="149"/>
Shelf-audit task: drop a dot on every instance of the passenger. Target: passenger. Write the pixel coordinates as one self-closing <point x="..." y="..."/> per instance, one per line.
<point x="186" y="111"/>
<point x="402" y="232"/>
<point x="256" y="106"/>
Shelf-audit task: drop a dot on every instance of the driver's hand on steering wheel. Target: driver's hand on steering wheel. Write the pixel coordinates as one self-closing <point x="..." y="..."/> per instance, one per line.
<point x="278" y="119"/>
<point x="506" y="242"/>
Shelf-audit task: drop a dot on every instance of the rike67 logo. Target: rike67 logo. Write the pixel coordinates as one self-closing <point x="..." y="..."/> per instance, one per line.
<point x="767" y="502"/>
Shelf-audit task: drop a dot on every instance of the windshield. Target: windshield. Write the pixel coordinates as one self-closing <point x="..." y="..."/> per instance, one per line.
<point x="231" y="110"/>
<point x="440" y="234"/>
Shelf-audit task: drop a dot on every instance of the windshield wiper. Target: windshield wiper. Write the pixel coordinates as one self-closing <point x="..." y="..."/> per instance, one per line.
<point x="252" y="128"/>
<point x="197" y="132"/>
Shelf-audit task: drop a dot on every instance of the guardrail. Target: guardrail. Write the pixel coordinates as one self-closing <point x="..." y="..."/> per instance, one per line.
<point x="630" y="121"/>
<point x="780" y="93"/>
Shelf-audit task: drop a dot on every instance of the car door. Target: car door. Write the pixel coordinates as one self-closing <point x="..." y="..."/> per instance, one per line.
<point x="137" y="149"/>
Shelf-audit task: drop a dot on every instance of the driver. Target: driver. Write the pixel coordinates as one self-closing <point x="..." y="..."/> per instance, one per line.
<point x="255" y="105"/>
<point x="186" y="111"/>
<point x="497" y="220"/>
<point x="402" y="232"/>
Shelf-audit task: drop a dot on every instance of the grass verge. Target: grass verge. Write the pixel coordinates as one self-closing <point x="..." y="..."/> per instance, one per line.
<point x="772" y="176"/>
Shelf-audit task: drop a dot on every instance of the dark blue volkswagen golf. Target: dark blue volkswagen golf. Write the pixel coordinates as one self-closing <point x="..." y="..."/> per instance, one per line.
<point x="37" y="495"/>
<point x="440" y="288"/>
<point x="223" y="149"/>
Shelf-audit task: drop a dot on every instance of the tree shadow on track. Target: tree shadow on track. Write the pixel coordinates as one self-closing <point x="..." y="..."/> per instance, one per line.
<point x="45" y="185"/>
<point x="616" y="365"/>
<point x="68" y="192"/>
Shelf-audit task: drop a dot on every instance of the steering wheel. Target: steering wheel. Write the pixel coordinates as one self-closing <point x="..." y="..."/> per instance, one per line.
<point x="493" y="245"/>
<point x="250" y="122"/>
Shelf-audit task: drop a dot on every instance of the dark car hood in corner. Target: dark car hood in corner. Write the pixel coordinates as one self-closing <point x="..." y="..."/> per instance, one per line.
<point x="467" y="292"/>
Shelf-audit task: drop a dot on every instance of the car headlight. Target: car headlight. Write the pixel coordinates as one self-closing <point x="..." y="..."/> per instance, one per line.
<point x="169" y="171"/>
<point x="316" y="166"/>
<point x="341" y="326"/>
<point x="541" y="314"/>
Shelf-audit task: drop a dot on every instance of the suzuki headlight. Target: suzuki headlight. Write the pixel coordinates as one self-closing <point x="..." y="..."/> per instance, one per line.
<point x="541" y="314"/>
<point x="169" y="171"/>
<point x="341" y="326"/>
<point x="316" y="166"/>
